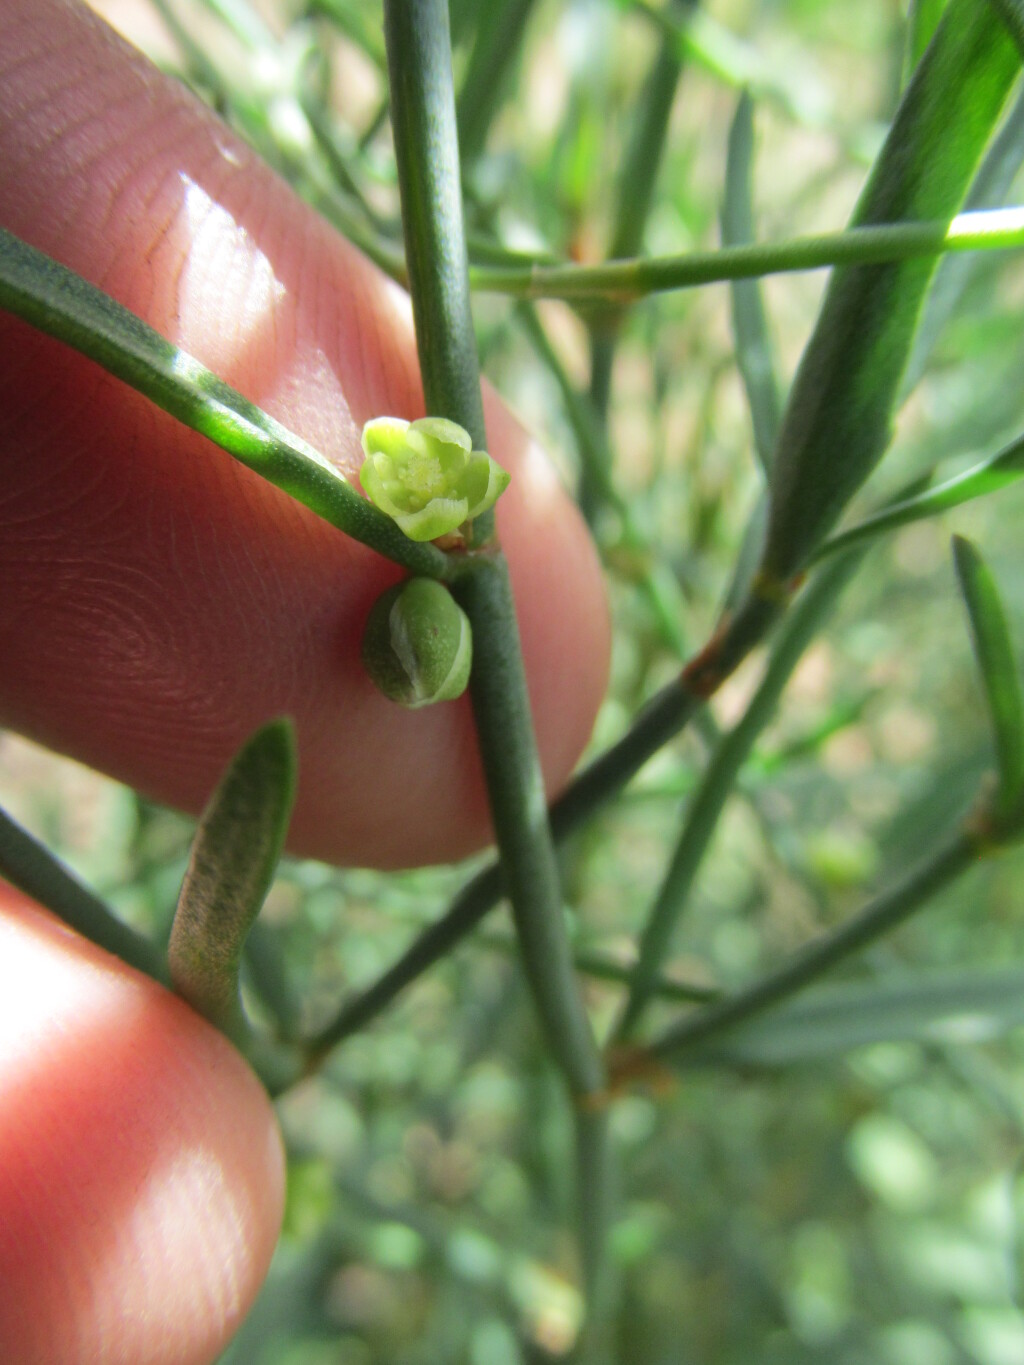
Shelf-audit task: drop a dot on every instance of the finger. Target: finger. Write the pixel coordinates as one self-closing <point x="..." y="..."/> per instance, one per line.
<point x="159" y="601"/>
<point x="141" y="1169"/>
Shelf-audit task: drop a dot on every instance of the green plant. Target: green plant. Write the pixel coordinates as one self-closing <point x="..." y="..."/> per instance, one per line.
<point x="888" y="298"/>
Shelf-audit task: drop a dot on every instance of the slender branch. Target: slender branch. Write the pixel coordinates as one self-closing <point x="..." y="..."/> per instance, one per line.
<point x="436" y="942"/>
<point x="625" y="281"/>
<point x="521" y="825"/>
<point x="426" y="149"/>
<point x="602" y="968"/>
<point x="498" y="40"/>
<point x="719" y="781"/>
<point x="754" y="357"/>
<point x="427" y="153"/>
<point x="876" y="919"/>
<point x="1001" y="469"/>
<point x="32" y="868"/>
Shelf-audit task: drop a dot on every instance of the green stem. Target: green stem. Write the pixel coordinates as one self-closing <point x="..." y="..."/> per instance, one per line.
<point x="642" y="159"/>
<point x="623" y="282"/>
<point x="719" y="781"/>
<point x="439" y="939"/>
<point x="989" y="476"/>
<point x="875" y="920"/>
<point x="480" y="894"/>
<point x="749" y="323"/>
<point x="427" y="154"/>
<point x="602" y="968"/>
<point x="597" y="486"/>
<point x="426" y="149"/>
<point x="29" y="866"/>
<point x="596" y="1179"/>
<point x="518" y="808"/>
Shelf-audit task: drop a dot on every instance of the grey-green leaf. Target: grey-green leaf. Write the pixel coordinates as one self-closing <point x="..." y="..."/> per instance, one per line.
<point x="838" y="421"/>
<point x="750" y="328"/>
<point x="234" y="855"/>
<point x="922" y="20"/>
<point x="1000" y="676"/>
<point x="989" y="190"/>
<point x="965" y="1006"/>
<point x="1012" y="14"/>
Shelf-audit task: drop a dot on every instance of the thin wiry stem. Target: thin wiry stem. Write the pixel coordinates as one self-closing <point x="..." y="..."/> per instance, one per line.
<point x="426" y="148"/>
<point x="625" y="281"/>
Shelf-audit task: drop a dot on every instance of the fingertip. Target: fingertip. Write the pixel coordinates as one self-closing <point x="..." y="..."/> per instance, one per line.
<point x="141" y="1166"/>
<point x="160" y="601"/>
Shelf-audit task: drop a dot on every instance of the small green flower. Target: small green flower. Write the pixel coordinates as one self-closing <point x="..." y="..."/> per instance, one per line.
<point x="418" y="645"/>
<point x="427" y="476"/>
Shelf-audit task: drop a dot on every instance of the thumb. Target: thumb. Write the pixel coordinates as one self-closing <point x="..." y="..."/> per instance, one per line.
<point x="160" y="601"/>
<point x="141" y="1171"/>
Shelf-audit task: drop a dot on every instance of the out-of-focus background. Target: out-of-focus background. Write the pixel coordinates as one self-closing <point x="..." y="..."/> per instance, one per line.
<point x="823" y="1204"/>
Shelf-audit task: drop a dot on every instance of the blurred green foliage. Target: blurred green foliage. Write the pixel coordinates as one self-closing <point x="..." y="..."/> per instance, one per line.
<point x="861" y="1208"/>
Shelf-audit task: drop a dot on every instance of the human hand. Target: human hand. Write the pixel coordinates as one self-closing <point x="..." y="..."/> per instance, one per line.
<point x="159" y="603"/>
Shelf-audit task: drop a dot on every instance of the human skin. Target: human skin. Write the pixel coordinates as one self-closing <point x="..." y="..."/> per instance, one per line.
<point x="159" y="602"/>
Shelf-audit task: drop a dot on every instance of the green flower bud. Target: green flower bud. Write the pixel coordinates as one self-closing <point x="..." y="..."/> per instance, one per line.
<point x="418" y="645"/>
<point x="427" y="476"/>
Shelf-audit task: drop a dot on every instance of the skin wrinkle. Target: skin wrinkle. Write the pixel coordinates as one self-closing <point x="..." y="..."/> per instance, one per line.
<point x="139" y="191"/>
<point x="88" y="163"/>
<point x="118" y="206"/>
<point x="46" y="50"/>
<point x="168" y="186"/>
<point x="75" y="188"/>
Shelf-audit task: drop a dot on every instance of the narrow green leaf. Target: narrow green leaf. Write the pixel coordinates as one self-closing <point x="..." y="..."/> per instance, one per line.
<point x="234" y="855"/>
<point x="988" y="477"/>
<point x="1000" y="676"/>
<point x="880" y="916"/>
<point x="965" y="1006"/>
<point x="634" y="196"/>
<point x="838" y="420"/>
<point x="1012" y="14"/>
<point x="735" y="62"/>
<point x="57" y="301"/>
<point x="750" y="328"/>
<point x="498" y="42"/>
<point x="922" y="20"/>
<point x="645" y="150"/>
<point x="989" y="190"/>
<point x="359" y="22"/>
<point x="32" y="868"/>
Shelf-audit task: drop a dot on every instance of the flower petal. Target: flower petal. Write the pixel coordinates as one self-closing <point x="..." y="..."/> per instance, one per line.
<point x="441" y="429"/>
<point x="386" y="434"/>
<point x="440" y="517"/>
